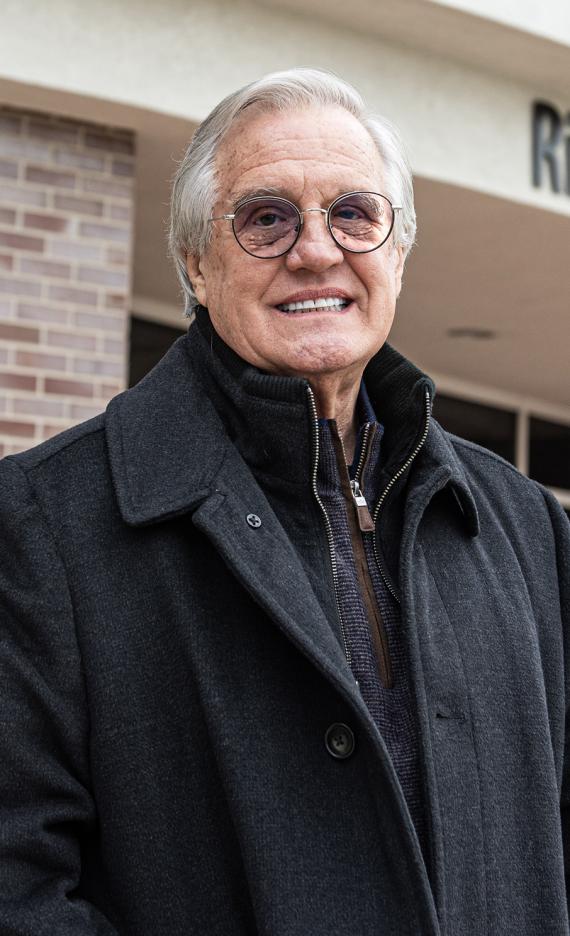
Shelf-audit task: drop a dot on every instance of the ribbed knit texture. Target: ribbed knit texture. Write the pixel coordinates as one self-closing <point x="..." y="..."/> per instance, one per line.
<point x="392" y="709"/>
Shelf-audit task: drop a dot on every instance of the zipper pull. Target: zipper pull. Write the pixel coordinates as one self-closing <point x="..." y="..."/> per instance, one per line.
<point x="365" y="521"/>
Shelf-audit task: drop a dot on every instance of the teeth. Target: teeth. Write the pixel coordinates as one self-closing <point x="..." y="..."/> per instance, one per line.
<point x="333" y="302"/>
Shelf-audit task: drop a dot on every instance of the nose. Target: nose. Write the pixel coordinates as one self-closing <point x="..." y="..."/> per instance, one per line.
<point x="315" y="248"/>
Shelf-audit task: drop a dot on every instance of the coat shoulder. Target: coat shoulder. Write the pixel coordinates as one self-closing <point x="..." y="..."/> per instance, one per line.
<point x="484" y="466"/>
<point x="59" y="445"/>
<point x="60" y="475"/>
<point x="499" y="486"/>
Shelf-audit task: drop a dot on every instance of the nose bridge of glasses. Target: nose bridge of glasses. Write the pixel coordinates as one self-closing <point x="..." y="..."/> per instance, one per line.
<point x="305" y="211"/>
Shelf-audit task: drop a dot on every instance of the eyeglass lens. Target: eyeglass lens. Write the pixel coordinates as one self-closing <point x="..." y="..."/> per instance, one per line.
<point x="268" y="227"/>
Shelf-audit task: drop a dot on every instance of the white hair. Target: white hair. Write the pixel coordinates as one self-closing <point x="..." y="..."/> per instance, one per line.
<point x="194" y="190"/>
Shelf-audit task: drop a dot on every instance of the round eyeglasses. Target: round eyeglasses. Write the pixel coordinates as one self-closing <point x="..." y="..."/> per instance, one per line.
<point x="268" y="226"/>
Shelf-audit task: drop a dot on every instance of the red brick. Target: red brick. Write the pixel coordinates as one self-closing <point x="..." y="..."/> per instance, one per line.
<point x="50" y="177"/>
<point x="19" y="287"/>
<point x="61" y="339"/>
<point x="85" y="320"/>
<point x="17" y="382"/>
<point x="37" y="359"/>
<point x="121" y="168"/>
<point x="48" y="130"/>
<point x="8" y="170"/>
<point x="18" y="333"/>
<point x="85" y="412"/>
<point x="99" y="367"/>
<point x="116" y="301"/>
<point x="35" y="406"/>
<point x="69" y="294"/>
<point x="104" y="231"/>
<point x="3" y="355"/>
<point x="39" y="313"/>
<point x="7" y="216"/>
<point x="6" y="262"/>
<point x="108" y="187"/>
<point x="80" y="161"/>
<point x="47" y="431"/>
<point x="73" y="250"/>
<point x="9" y="428"/>
<point x="103" y="277"/>
<point x="114" y="346"/>
<point x="21" y="241"/>
<point x="117" y="256"/>
<point x="78" y="205"/>
<point x="46" y="222"/>
<point x="68" y="387"/>
<point x="113" y="144"/>
<point x="110" y="389"/>
<point x="22" y="196"/>
<point x="18" y="148"/>
<point x="120" y="212"/>
<point x="45" y="268"/>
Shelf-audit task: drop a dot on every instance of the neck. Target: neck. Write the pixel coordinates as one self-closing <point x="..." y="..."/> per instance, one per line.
<point x="337" y="401"/>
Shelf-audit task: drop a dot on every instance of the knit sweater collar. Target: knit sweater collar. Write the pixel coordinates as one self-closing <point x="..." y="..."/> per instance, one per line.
<point x="270" y="419"/>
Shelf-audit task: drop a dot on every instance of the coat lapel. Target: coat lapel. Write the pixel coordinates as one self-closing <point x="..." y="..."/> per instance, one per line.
<point x="170" y="455"/>
<point x="260" y="555"/>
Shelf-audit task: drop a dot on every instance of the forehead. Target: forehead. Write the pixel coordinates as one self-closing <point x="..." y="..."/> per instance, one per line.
<point x="313" y="153"/>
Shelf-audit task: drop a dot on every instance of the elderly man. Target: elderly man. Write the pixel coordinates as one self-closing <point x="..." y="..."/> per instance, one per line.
<point x="278" y="655"/>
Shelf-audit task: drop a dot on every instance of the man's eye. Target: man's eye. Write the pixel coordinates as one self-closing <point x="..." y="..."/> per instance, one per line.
<point x="349" y="214"/>
<point x="266" y="220"/>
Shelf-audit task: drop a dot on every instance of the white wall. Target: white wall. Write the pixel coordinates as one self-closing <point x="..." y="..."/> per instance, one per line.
<point x="549" y="18"/>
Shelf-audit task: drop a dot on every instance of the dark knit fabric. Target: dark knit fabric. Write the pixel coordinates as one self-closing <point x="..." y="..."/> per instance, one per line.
<point x="392" y="709"/>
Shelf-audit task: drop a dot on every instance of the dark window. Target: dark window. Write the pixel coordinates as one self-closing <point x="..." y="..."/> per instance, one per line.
<point x="486" y="425"/>
<point x="549" y="460"/>
<point x="149" y="342"/>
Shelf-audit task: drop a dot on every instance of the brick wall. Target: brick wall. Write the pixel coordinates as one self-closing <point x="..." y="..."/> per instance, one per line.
<point x="66" y="210"/>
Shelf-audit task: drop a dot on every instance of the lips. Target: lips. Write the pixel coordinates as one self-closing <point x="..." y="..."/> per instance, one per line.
<point x="309" y="300"/>
<point x="309" y="305"/>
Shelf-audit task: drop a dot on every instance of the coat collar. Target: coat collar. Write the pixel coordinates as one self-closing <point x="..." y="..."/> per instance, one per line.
<point x="168" y="444"/>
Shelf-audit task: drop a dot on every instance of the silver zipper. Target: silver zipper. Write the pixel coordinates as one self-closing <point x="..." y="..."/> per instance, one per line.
<point x="357" y="494"/>
<point x="328" y="527"/>
<point x="363" y="448"/>
<point x="389" y="487"/>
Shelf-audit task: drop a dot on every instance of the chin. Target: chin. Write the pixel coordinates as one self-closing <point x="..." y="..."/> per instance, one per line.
<point x="324" y="357"/>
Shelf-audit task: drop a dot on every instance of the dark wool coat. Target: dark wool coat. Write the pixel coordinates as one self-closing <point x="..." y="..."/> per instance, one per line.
<point x="168" y="675"/>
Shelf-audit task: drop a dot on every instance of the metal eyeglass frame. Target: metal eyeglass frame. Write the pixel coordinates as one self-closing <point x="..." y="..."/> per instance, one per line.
<point x="325" y="211"/>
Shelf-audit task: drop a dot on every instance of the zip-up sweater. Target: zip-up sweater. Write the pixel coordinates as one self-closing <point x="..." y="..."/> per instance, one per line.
<point x="371" y="615"/>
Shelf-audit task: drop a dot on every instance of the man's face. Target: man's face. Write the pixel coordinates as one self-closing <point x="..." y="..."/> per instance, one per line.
<point x="310" y="157"/>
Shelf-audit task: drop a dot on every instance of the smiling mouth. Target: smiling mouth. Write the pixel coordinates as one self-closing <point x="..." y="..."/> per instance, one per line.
<point x="310" y="305"/>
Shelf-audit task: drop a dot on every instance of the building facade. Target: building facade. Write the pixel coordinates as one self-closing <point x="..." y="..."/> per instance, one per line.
<point x="98" y="105"/>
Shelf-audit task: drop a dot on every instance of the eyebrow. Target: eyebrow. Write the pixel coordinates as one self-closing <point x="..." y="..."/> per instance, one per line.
<point x="237" y="198"/>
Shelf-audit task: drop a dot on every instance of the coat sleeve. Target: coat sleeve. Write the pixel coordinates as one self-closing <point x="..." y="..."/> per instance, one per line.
<point x="46" y="808"/>
<point x="561" y="527"/>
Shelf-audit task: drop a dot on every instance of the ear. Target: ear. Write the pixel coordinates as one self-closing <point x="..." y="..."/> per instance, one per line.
<point x="197" y="278"/>
<point x="399" y="258"/>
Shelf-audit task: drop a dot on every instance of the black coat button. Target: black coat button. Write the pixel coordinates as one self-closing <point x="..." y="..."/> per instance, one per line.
<point x="339" y="741"/>
<point x="253" y="520"/>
